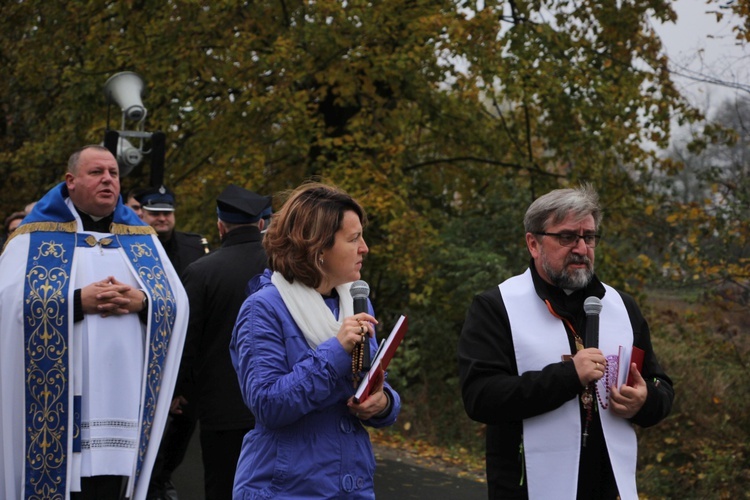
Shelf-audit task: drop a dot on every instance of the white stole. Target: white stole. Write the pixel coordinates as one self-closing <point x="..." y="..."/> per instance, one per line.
<point x="552" y="441"/>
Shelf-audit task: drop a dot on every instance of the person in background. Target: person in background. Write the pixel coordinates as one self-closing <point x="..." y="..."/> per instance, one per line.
<point x="158" y="210"/>
<point x="292" y="349"/>
<point x="552" y="430"/>
<point x="215" y="286"/>
<point x="11" y="223"/>
<point x="131" y="200"/>
<point x="92" y="324"/>
<point x="159" y="206"/>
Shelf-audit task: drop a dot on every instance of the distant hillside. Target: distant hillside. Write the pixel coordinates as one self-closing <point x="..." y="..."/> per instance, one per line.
<point x="702" y="450"/>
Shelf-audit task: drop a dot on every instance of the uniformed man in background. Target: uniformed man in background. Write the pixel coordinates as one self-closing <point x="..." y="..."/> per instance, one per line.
<point x="215" y="286"/>
<point x="158" y="206"/>
<point x="158" y="210"/>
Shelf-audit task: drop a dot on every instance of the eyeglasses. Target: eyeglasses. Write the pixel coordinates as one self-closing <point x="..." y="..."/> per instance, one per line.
<point x="569" y="239"/>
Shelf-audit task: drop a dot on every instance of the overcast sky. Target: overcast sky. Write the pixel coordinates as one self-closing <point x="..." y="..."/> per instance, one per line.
<point x="698" y="43"/>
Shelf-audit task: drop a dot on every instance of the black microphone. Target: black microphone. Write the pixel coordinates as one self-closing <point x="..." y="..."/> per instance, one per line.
<point x="360" y="290"/>
<point x="592" y="306"/>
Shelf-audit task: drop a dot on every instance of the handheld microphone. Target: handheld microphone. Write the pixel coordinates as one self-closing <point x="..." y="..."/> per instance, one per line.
<point x="360" y="290"/>
<point x="592" y="306"/>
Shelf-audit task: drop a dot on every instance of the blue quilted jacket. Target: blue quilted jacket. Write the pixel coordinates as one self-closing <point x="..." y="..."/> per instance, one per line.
<point x="305" y="443"/>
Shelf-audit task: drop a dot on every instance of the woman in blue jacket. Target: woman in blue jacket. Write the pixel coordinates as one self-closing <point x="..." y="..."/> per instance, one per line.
<point x="292" y="349"/>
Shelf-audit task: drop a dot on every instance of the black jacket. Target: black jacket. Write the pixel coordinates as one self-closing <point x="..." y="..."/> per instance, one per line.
<point x="183" y="249"/>
<point x="494" y="393"/>
<point x="215" y="286"/>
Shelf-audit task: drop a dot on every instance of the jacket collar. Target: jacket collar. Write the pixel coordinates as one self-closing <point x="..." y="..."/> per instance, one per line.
<point x="240" y="235"/>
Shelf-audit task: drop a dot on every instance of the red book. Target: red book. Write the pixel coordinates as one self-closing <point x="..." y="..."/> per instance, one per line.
<point x="635" y="357"/>
<point x="381" y="359"/>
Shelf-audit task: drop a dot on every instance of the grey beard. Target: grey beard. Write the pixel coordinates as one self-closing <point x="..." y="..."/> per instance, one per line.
<point x="574" y="280"/>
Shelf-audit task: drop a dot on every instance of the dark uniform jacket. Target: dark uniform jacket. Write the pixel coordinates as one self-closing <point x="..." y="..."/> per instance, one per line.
<point x="184" y="248"/>
<point x="215" y="286"/>
<point x="494" y="394"/>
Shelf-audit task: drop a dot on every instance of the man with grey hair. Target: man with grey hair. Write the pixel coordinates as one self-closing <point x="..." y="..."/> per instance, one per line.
<point x="559" y="414"/>
<point x="92" y="324"/>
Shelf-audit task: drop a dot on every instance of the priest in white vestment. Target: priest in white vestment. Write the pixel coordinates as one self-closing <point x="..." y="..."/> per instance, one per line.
<point x="92" y="325"/>
<point x="559" y="422"/>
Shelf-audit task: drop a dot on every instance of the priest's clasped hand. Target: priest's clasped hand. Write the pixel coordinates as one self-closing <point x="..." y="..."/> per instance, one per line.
<point x="111" y="297"/>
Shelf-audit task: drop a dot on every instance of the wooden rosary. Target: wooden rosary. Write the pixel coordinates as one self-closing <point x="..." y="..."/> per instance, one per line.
<point x="358" y="355"/>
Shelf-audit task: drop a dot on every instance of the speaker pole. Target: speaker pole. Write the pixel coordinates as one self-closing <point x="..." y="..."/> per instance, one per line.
<point x="111" y="137"/>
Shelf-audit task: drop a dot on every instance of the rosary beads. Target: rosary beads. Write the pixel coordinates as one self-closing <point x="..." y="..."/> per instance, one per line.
<point x="358" y="356"/>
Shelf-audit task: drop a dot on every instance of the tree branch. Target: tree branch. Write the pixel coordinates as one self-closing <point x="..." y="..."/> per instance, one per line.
<point x="516" y="166"/>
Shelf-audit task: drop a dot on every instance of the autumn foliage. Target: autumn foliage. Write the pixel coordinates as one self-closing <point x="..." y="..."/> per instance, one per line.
<point x="444" y="118"/>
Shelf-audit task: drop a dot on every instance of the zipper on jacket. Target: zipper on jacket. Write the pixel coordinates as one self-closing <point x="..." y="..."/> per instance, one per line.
<point x="523" y="461"/>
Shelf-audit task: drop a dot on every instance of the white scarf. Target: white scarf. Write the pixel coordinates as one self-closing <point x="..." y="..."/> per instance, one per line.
<point x="309" y="310"/>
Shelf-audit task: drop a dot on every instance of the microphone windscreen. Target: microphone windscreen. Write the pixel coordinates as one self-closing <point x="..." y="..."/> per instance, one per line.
<point x="360" y="290"/>
<point x="592" y="305"/>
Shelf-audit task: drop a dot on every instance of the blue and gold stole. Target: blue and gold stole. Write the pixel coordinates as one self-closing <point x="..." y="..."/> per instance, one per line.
<point x="46" y="336"/>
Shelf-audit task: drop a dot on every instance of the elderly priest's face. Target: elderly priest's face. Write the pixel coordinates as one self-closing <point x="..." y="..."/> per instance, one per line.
<point x="94" y="186"/>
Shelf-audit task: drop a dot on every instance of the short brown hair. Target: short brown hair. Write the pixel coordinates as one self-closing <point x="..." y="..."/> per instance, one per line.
<point x="75" y="158"/>
<point x="304" y="227"/>
<point x="11" y="218"/>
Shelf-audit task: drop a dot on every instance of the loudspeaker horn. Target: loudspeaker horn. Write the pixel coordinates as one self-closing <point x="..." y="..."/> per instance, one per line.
<point x="125" y="89"/>
<point x="128" y="156"/>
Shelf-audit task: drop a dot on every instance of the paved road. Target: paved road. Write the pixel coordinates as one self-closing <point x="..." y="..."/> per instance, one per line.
<point x="394" y="480"/>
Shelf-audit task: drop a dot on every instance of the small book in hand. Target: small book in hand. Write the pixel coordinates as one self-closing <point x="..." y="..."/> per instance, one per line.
<point x="619" y="371"/>
<point x="636" y="357"/>
<point x="380" y="360"/>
